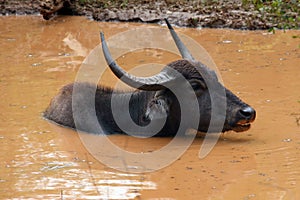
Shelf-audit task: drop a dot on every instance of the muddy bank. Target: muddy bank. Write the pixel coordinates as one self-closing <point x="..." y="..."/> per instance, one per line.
<point x="234" y="14"/>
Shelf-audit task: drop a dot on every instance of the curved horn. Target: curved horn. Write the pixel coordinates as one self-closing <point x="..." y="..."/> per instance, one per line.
<point x="152" y="83"/>
<point x="181" y="47"/>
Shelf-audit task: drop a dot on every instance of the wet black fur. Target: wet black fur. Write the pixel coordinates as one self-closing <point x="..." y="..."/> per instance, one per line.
<point x="60" y="108"/>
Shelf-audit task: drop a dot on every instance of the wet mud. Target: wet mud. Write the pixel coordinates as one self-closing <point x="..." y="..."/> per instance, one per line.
<point x="41" y="160"/>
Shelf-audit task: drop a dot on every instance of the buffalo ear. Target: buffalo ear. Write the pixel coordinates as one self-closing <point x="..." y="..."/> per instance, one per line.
<point x="158" y="108"/>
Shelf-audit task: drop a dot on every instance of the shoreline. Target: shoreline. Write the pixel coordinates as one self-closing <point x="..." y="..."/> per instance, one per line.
<point x="225" y="14"/>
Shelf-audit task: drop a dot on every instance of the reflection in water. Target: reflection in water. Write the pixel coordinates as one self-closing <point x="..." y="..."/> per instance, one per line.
<point x="76" y="46"/>
<point x="50" y="171"/>
<point x="80" y="184"/>
<point x="42" y="161"/>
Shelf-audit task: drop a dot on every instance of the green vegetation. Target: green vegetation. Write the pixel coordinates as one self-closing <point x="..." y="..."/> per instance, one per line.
<point x="284" y="14"/>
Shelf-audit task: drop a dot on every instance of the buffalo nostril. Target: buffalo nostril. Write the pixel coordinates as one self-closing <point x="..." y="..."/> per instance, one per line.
<point x="248" y="113"/>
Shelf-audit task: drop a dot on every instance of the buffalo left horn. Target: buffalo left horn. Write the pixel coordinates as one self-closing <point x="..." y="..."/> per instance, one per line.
<point x="153" y="83"/>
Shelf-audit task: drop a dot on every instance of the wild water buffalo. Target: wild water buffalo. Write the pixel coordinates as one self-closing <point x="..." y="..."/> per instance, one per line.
<point x="153" y="100"/>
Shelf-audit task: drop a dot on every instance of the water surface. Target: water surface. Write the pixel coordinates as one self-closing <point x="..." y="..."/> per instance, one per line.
<point x="40" y="160"/>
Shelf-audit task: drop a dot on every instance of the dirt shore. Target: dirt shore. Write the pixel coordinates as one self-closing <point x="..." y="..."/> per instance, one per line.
<point x="236" y="14"/>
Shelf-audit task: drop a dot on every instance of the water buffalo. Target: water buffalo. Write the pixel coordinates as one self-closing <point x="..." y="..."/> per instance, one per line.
<point x="152" y="101"/>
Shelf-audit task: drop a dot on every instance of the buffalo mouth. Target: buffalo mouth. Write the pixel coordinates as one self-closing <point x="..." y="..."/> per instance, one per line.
<point x="241" y="126"/>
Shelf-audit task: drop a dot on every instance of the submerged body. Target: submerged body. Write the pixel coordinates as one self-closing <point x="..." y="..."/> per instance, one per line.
<point x="60" y="109"/>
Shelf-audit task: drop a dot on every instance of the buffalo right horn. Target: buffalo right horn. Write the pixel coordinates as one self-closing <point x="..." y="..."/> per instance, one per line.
<point x="181" y="47"/>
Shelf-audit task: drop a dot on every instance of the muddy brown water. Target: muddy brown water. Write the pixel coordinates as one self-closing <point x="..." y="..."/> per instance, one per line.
<point x="40" y="160"/>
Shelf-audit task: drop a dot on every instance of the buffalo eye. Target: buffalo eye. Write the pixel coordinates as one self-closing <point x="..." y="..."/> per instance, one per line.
<point x="198" y="85"/>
